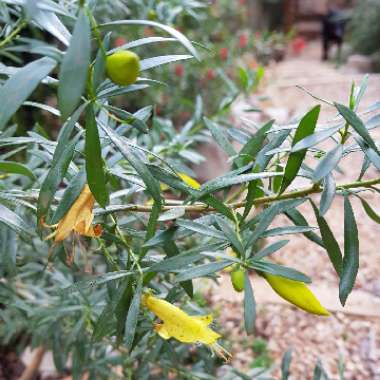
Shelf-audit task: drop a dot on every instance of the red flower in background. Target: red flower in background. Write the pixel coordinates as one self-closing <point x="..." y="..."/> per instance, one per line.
<point x="179" y="70"/>
<point x="242" y="2"/>
<point x="120" y="41"/>
<point x="210" y="74"/>
<point x="298" y="45"/>
<point x="223" y="53"/>
<point x="243" y="40"/>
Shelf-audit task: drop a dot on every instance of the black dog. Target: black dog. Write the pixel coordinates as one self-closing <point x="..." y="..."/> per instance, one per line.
<point x="333" y="27"/>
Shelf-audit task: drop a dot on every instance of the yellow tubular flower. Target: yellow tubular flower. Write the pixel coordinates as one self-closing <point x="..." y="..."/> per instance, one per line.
<point x="78" y="218"/>
<point x="183" y="327"/>
<point x="185" y="178"/>
<point x="297" y="293"/>
<point x="189" y="181"/>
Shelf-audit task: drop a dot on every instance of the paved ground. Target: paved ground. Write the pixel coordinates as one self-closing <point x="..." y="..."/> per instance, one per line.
<point x="353" y="335"/>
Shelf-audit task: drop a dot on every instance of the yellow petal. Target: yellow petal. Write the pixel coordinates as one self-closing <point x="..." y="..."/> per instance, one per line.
<point x="161" y="331"/>
<point x="180" y="325"/>
<point x="297" y="293"/>
<point x="79" y="216"/>
<point x="189" y="181"/>
<point x="204" y="319"/>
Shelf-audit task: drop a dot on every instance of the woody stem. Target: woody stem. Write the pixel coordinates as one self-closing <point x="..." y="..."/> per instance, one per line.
<point x="313" y="189"/>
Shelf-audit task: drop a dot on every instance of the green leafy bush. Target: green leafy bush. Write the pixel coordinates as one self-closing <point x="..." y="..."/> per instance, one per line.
<point x="103" y="228"/>
<point x="364" y="30"/>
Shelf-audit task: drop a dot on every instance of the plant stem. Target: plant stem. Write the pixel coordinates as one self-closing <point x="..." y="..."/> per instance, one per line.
<point x="13" y="34"/>
<point x="313" y="189"/>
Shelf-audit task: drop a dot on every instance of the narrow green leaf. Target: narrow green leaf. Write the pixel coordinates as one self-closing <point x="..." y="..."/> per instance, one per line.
<point x="279" y="231"/>
<point x="150" y="63"/>
<point x="305" y="128"/>
<point x="356" y="123"/>
<point x="285" y="365"/>
<point x="254" y="144"/>
<point x="16" y="168"/>
<point x="351" y="253"/>
<point x="370" y="211"/>
<point x="271" y="248"/>
<point x="201" y="229"/>
<point x="174" y="32"/>
<point x="372" y="156"/>
<point x="20" y="85"/>
<point x="328" y="163"/>
<point x="123" y="304"/>
<point x="329" y="241"/>
<point x="12" y="220"/>
<point x="249" y="306"/>
<point x="220" y="136"/>
<point x="151" y="228"/>
<point x="221" y="183"/>
<point x="202" y="270"/>
<point x="71" y="193"/>
<point x="74" y="67"/>
<point x="315" y="139"/>
<point x="328" y="194"/>
<point x="153" y="187"/>
<point x="95" y="281"/>
<point x="133" y="313"/>
<point x="231" y="235"/>
<point x="278" y="270"/>
<point x="96" y="177"/>
<point x="172" y="250"/>
<point x="175" y="263"/>
<point x="172" y="214"/>
<point x="362" y="89"/>
<point x="100" y="63"/>
<point x="54" y="177"/>
<point x="8" y="249"/>
<point x="65" y="132"/>
<point x="129" y="118"/>
<point x="299" y="220"/>
<point x="319" y="372"/>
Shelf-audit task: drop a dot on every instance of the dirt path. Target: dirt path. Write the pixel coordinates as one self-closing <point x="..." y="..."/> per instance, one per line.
<point x="356" y="338"/>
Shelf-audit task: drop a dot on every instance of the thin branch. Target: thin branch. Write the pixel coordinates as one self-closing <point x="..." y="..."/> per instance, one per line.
<point x="200" y="207"/>
<point x="32" y="369"/>
<point x="13" y="34"/>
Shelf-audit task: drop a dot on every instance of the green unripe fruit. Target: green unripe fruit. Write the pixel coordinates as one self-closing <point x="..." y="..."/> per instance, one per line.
<point x="123" y="67"/>
<point x="152" y="15"/>
<point x="237" y="279"/>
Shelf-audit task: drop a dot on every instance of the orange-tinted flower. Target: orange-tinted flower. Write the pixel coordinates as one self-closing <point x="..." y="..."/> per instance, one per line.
<point x="78" y="219"/>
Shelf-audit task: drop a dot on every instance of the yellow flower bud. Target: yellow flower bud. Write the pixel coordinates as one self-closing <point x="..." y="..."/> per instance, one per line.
<point x="123" y="67"/>
<point x="297" y="293"/>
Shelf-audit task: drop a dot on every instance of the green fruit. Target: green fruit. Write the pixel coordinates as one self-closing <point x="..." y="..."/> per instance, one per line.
<point x="237" y="279"/>
<point x="123" y="67"/>
<point x="152" y="15"/>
